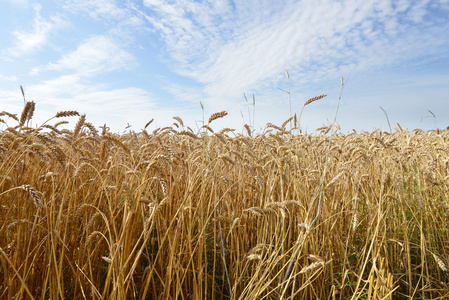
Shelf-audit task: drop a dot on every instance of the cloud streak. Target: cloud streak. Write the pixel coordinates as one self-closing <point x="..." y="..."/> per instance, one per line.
<point x="27" y="42"/>
<point x="72" y="92"/>
<point x="188" y="26"/>
<point x="317" y="40"/>
<point x="97" y="9"/>
<point x="96" y="55"/>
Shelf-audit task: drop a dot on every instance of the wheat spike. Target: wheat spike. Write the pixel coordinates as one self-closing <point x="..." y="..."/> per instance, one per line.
<point x="355" y="221"/>
<point x="208" y="128"/>
<point x="227" y="158"/>
<point x="163" y="184"/>
<point x="221" y="138"/>
<point x="335" y="179"/>
<point x="440" y="263"/>
<point x="286" y="122"/>
<point x="255" y="211"/>
<point x="78" y="126"/>
<point x="60" y="123"/>
<point x="13" y="116"/>
<point x="271" y="125"/>
<point x="91" y="128"/>
<point x="58" y="153"/>
<point x="118" y="143"/>
<point x="52" y="128"/>
<point x="311" y="267"/>
<point x="179" y="120"/>
<point x="248" y="130"/>
<point x="217" y="115"/>
<point x="254" y="256"/>
<point x="314" y="99"/>
<point x="91" y="236"/>
<point x="67" y="113"/>
<point x="148" y="124"/>
<point x="233" y="224"/>
<point x="27" y="112"/>
<point x="225" y="130"/>
<point x="188" y="133"/>
<point x="34" y="194"/>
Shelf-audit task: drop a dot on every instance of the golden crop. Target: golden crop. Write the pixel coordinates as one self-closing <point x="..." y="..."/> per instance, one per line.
<point x="178" y="214"/>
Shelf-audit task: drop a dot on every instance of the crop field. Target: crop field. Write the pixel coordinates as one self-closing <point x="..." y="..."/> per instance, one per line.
<point x="177" y="213"/>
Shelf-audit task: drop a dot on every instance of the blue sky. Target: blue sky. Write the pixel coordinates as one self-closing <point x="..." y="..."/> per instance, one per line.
<point x="126" y="62"/>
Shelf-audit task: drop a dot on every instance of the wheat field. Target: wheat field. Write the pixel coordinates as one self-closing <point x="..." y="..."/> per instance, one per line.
<point x="181" y="214"/>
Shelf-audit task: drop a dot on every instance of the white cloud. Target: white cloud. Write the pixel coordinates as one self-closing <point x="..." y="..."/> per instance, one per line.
<point x="30" y="41"/>
<point x="97" y="8"/>
<point x="230" y="47"/>
<point x="73" y="92"/>
<point x="18" y="2"/>
<point x="237" y="48"/>
<point x="97" y="54"/>
<point x="9" y="78"/>
<point x="114" y="106"/>
<point x="189" y="28"/>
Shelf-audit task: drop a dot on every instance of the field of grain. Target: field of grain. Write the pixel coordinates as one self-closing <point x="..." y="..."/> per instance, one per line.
<point x="233" y="214"/>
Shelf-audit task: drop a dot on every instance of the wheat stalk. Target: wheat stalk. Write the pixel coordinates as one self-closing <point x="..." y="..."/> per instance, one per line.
<point x="311" y="100"/>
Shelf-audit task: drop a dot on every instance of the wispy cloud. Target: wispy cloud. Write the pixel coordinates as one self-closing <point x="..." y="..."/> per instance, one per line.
<point x="30" y="41"/>
<point x="72" y="84"/>
<point x="70" y="92"/>
<point x="18" y="2"/>
<point x="8" y="78"/>
<point x="101" y="103"/>
<point x="97" y="8"/>
<point x="315" y="41"/>
<point x="225" y="48"/>
<point x="97" y="54"/>
<point x="190" y="29"/>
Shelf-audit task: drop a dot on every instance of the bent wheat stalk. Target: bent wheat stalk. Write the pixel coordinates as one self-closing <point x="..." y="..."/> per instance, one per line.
<point x="287" y="274"/>
<point x="309" y="102"/>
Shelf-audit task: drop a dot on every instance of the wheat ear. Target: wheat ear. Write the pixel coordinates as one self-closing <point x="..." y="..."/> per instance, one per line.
<point x="308" y="102"/>
<point x="217" y="115"/>
<point x="27" y="112"/>
<point x="148" y="124"/>
<point x="66" y="113"/>
<point x="34" y="194"/>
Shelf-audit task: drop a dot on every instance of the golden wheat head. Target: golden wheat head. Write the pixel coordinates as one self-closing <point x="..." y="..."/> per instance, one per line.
<point x="66" y="113"/>
<point x="314" y="99"/>
<point x="217" y="115"/>
<point x="27" y="112"/>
